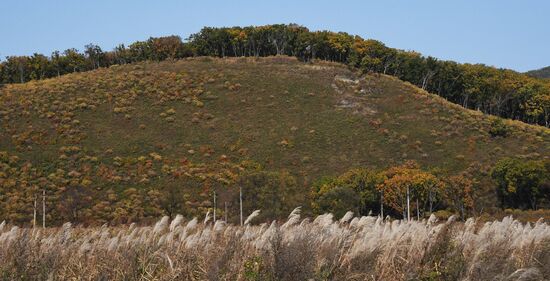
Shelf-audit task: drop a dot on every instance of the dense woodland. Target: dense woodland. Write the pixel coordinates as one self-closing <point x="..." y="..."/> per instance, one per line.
<point x="501" y="92"/>
<point x="409" y="191"/>
<point x="540" y="73"/>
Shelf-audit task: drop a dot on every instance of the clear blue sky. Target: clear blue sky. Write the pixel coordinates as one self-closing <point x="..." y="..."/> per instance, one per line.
<point x="502" y="33"/>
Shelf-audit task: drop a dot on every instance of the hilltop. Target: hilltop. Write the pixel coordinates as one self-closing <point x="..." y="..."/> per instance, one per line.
<point x="540" y="73"/>
<point x="501" y="92"/>
<point x="128" y="141"/>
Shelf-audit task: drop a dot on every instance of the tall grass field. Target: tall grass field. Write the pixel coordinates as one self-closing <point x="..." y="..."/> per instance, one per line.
<point x="321" y="248"/>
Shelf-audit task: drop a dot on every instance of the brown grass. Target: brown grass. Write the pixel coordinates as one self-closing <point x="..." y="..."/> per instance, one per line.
<point x="366" y="248"/>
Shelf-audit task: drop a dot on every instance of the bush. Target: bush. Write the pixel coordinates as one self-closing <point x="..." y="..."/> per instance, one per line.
<point x="443" y="214"/>
<point x="499" y="128"/>
<point x="339" y="200"/>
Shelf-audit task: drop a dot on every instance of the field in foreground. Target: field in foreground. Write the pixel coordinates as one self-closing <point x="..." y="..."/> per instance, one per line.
<point x="365" y="248"/>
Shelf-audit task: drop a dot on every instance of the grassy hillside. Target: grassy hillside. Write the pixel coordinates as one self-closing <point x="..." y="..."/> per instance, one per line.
<point x="127" y="132"/>
<point x="540" y="73"/>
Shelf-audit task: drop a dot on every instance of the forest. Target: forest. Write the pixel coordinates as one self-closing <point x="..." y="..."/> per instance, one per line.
<point x="499" y="92"/>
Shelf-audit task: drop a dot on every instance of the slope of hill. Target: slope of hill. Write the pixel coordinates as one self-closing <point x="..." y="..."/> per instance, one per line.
<point x="501" y="92"/>
<point x="540" y="73"/>
<point x="123" y="141"/>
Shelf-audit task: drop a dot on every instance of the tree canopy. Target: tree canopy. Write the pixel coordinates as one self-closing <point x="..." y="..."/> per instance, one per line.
<point x="522" y="184"/>
<point x="405" y="191"/>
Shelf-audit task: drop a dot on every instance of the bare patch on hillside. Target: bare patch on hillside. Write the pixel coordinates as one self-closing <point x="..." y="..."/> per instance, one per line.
<point x="351" y="95"/>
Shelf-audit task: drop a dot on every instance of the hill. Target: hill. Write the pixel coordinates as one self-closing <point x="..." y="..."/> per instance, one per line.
<point x="501" y="92"/>
<point x="540" y="73"/>
<point x="134" y="141"/>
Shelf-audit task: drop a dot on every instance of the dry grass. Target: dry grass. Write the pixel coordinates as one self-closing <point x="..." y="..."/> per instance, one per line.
<point x="205" y="118"/>
<point x="352" y="248"/>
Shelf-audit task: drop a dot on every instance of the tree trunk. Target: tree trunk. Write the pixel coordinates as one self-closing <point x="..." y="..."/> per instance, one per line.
<point x="382" y="204"/>
<point x="276" y="46"/>
<point x="214" y="206"/>
<point x="43" y="208"/>
<point x="431" y="202"/>
<point x="21" y="74"/>
<point x="241" y="202"/>
<point x="404" y="210"/>
<point x="417" y="210"/>
<point x="408" y="205"/>
<point x="34" y="213"/>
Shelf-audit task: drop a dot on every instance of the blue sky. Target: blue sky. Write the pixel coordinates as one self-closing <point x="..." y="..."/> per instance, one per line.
<point x="502" y="33"/>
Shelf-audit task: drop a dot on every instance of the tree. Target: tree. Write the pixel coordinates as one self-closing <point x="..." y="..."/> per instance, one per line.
<point x="94" y="54"/>
<point x="275" y="193"/>
<point x="139" y="51"/>
<point x="278" y="35"/>
<point x="361" y="182"/>
<point x="520" y="183"/>
<point x="121" y="54"/>
<point x="56" y="64"/>
<point x="340" y="46"/>
<point x="39" y="66"/>
<point x="364" y="182"/>
<point x="168" y="47"/>
<point x="73" y="60"/>
<point x="16" y="69"/>
<point x="373" y="55"/>
<point x="458" y="194"/>
<point x="406" y="185"/>
<point x="3" y="75"/>
<point x="338" y="200"/>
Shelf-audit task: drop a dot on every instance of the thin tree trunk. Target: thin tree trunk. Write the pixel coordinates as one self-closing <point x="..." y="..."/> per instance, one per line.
<point x="214" y="206"/>
<point x="34" y="213"/>
<point x="382" y="204"/>
<point x="241" y="202"/>
<point x="431" y="202"/>
<point x="404" y="210"/>
<point x="43" y="208"/>
<point x="417" y="210"/>
<point x="21" y="75"/>
<point x="408" y="205"/>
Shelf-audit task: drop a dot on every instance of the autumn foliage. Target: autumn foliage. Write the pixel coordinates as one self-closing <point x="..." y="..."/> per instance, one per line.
<point x="500" y="92"/>
<point x="133" y="142"/>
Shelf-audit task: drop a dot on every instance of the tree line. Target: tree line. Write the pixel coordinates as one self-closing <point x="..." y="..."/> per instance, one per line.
<point x="405" y="191"/>
<point x="408" y="191"/>
<point x="500" y="92"/>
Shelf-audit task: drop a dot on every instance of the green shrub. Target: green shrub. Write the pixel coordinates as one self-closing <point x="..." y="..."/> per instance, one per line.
<point x="499" y="129"/>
